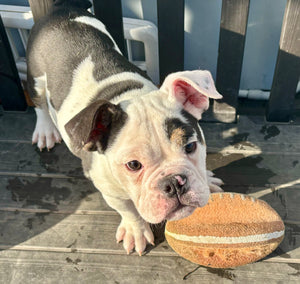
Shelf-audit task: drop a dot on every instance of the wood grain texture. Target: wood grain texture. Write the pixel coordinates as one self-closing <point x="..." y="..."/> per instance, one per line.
<point x="287" y="70"/>
<point x="234" y="19"/>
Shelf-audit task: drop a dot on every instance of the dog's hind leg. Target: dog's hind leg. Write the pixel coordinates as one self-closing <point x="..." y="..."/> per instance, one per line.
<point x="45" y="133"/>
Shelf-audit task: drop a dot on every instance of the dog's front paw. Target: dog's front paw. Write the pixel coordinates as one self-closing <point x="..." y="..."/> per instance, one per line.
<point x="46" y="137"/>
<point x="134" y="235"/>
<point x="45" y="133"/>
<point x="213" y="182"/>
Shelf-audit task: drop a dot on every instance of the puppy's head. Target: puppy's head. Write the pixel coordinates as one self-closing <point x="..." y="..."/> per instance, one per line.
<point x="155" y="147"/>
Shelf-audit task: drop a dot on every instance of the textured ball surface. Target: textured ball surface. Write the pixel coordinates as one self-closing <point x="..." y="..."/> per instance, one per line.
<point x="231" y="230"/>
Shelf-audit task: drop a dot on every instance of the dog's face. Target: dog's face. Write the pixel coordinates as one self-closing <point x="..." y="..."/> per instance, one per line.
<point x="159" y="158"/>
<point x="158" y="153"/>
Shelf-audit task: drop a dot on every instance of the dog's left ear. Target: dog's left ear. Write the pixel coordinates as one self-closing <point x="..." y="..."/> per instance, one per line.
<point x="192" y="89"/>
<point x="93" y="127"/>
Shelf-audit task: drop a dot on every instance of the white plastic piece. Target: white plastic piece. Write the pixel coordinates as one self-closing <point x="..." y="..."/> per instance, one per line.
<point x="147" y="33"/>
<point x="16" y="17"/>
<point x="254" y="94"/>
<point x="21" y="18"/>
<point x="259" y="94"/>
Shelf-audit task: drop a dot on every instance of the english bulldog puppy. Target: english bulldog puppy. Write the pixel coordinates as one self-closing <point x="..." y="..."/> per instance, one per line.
<point x="141" y="146"/>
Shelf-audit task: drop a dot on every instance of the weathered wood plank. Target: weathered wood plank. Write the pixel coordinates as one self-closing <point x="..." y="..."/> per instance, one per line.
<point x="95" y="234"/>
<point x="26" y="267"/>
<point x="170" y="15"/>
<point x="233" y="28"/>
<point x="287" y="70"/>
<point x="17" y="267"/>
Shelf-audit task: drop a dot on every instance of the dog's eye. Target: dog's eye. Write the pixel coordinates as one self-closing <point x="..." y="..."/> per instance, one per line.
<point x="190" y="148"/>
<point x="134" y="165"/>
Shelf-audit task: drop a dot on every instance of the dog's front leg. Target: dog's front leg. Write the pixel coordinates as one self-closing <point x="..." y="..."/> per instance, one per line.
<point x="213" y="182"/>
<point x="133" y="230"/>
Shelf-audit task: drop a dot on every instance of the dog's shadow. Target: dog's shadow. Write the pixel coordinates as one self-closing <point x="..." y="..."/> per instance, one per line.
<point x="51" y="188"/>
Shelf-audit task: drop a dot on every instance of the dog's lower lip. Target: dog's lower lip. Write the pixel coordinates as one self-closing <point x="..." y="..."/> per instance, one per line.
<point x="172" y="214"/>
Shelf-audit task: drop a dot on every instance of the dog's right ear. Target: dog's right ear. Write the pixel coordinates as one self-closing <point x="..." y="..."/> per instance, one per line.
<point x="95" y="126"/>
<point x="192" y="89"/>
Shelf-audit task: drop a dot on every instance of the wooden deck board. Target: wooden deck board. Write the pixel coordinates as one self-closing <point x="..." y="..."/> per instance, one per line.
<point x="94" y="268"/>
<point x="93" y="233"/>
<point x="55" y="227"/>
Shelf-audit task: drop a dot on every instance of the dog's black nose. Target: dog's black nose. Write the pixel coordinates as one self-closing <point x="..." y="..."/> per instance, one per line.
<point x="174" y="185"/>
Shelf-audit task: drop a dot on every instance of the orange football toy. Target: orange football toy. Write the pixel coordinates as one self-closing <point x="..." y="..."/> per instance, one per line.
<point x="231" y="230"/>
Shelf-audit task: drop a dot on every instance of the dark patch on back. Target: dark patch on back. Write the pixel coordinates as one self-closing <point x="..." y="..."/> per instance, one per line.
<point x="178" y="132"/>
<point x="119" y="88"/>
<point x="57" y="45"/>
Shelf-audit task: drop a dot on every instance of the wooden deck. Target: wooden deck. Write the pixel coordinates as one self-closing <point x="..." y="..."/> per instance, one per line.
<point x="56" y="228"/>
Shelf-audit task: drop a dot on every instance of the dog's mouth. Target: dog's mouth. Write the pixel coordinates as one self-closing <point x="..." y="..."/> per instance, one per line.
<point x="186" y="205"/>
<point x="181" y="211"/>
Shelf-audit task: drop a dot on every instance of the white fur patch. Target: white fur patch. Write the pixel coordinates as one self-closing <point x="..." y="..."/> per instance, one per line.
<point x="45" y="133"/>
<point x="42" y="90"/>
<point x="39" y="85"/>
<point x="97" y="25"/>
